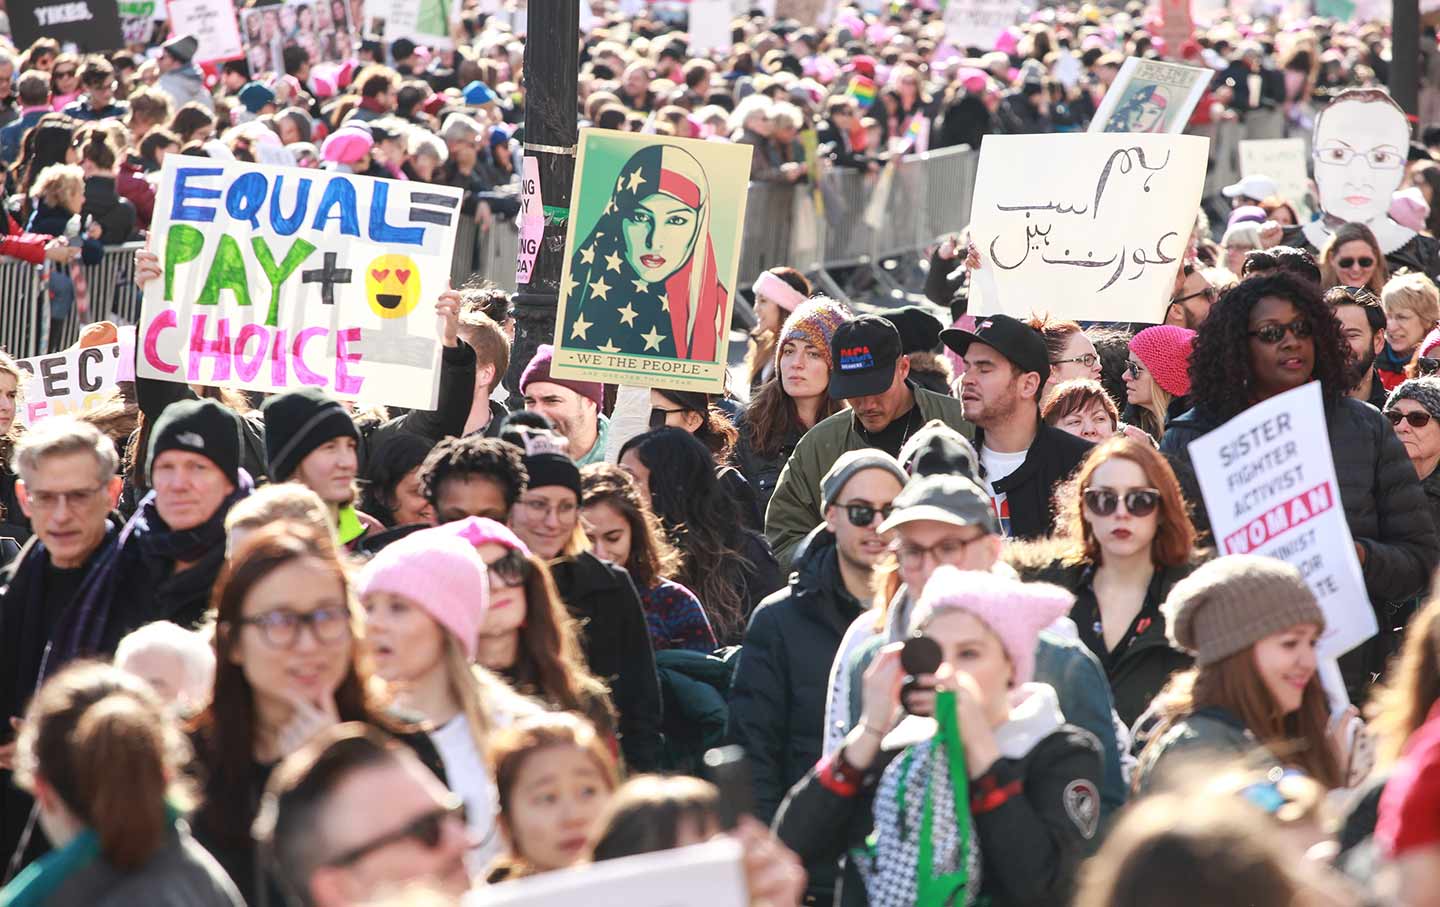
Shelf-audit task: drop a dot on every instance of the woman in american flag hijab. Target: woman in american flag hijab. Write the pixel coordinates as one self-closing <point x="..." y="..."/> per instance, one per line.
<point x="644" y="282"/>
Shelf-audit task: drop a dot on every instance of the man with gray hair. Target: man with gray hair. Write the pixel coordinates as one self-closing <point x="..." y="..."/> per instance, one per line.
<point x="67" y="487"/>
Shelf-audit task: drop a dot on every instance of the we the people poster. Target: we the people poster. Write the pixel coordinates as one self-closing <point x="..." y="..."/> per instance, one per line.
<point x="1090" y="227"/>
<point x="1150" y="96"/>
<point x="650" y="260"/>
<point x="275" y="278"/>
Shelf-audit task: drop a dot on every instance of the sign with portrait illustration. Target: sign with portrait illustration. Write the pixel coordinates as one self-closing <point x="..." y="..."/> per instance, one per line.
<point x="1086" y="227"/>
<point x="321" y="27"/>
<point x="75" y="380"/>
<point x="1284" y="161"/>
<point x="213" y="24"/>
<point x="650" y="260"/>
<point x="1269" y="485"/>
<point x="1151" y="97"/>
<point x="274" y="278"/>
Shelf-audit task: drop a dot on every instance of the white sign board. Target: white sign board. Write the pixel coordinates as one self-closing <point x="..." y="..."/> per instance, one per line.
<point x="978" y="23"/>
<point x="665" y="878"/>
<point x="76" y="379"/>
<point x="1088" y="227"/>
<point x="532" y="219"/>
<point x="276" y="277"/>
<point x="213" y="24"/>
<point x="709" y="26"/>
<point x="1152" y="97"/>
<point x="1285" y="161"/>
<point x="1269" y="485"/>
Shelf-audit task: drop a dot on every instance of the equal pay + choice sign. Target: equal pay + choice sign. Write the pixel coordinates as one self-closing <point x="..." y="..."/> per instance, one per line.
<point x="278" y="277"/>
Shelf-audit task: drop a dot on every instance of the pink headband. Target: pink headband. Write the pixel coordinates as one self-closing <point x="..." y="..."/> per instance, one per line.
<point x="480" y="531"/>
<point x="777" y="291"/>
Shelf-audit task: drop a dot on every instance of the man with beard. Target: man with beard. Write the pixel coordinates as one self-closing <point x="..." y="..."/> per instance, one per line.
<point x="311" y="439"/>
<point x="1362" y="322"/>
<point x="1021" y="457"/>
<point x="1192" y="299"/>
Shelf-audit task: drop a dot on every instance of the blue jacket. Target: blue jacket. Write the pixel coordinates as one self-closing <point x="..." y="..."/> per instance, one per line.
<point x="11" y="135"/>
<point x="80" y="109"/>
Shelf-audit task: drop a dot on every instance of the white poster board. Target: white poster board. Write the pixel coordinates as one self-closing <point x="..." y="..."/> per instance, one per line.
<point x="978" y="23"/>
<point x="1089" y="227"/>
<point x="75" y="380"/>
<point x="277" y="277"/>
<point x="213" y="24"/>
<point x="426" y="24"/>
<point x="709" y="26"/>
<point x="665" y="878"/>
<point x="532" y="219"/>
<point x="1286" y="161"/>
<point x="1269" y="485"/>
<point x="1151" y="97"/>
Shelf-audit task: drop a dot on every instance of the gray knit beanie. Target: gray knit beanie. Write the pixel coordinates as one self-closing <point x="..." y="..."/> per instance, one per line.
<point x="1233" y="602"/>
<point x="1424" y="391"/>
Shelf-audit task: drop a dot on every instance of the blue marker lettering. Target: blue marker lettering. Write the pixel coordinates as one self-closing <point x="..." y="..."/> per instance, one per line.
<point x="338" y="193"/>
<point x="280" y="223"/>
<point x="183" y="192"/>
<point x="245" y="198"/>
<point x="388" y="233"/>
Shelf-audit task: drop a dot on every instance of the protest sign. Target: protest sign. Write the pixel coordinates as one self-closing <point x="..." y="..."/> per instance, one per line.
<point x="1152" y="97"/>
<point x="90" y="25"/>
<point x="709" y="26"/>
<point x="75" y="380"/>
<point x="532" y="220"/>
<point x="1269" y="486"/>
<point x="1086" y="227"/>
<point x="321" y="27"/>
<point x="660" y="879"/>
<point x="276" y="278"/>
<point x="650" y="260"/>
<point x="978" y="23"/>
<point x="1283" y="160"/>
<point x="213" y="24"/>
<point x="425" y="22"/>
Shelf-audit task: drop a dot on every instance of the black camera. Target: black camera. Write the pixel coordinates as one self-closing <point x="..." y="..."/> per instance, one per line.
<point x="920" y="655"/>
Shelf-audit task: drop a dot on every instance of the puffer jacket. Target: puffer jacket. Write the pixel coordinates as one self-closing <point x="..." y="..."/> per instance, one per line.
<point x="1385" y="508"/>
<point x="1208" y="736"/>
<point x="760" y="470"/>
<point x="695" y="685"/>
<point x="795" y="507"/>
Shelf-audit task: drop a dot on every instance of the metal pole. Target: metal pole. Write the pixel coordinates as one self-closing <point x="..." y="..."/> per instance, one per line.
<point x="1405" y="55"/>
<point x="552" y="88"/>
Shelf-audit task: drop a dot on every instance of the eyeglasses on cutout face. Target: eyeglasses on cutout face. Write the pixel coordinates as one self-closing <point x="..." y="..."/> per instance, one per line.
<point x="281" y="628"/>
<point x="1379" y="158"/>
<point x="427" y="831"/>
<point x="1364" y="261"/>
<point x="1138" y="501"/>
<point x="1274" y="333"/>
<point x="1416" y="419"/>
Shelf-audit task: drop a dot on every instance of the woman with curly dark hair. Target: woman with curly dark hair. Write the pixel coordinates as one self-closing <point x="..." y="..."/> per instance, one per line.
<point x="1272" y="334"/>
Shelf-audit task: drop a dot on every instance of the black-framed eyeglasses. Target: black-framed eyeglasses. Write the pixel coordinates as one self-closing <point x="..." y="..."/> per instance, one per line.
<point x="659" y="415"/>
<point x="1138" y="501"/>
<point x="1088" y="360"/>
<point x="1416" y="419"/>
<point x="1179" y="300"/>
<point x="1364" y="261"/>
<point x="513" y="569"/>
<point x="1426" y="365"/>
<point x="281" y="627"/>
<point x="427" y="830"/>
<point x="862" y="515"/>
<point x="1274" y="333"/>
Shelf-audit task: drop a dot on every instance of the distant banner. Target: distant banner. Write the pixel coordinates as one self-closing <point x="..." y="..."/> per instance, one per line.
<point x="709" y="26"/>
<point x="322" y="27"/>
<point x="276" y="278"/>
<point x="91" y="25"/>
<point x="660" y="879"/>
<point x="650" y="260"/>
<point x="213" y="24"/>
<point x="1086" y="227"/>
<point x="1269" y="485"/>
<point x="1286" y="161"/>
<point x="978" y="23"/>
<point x="75" y="380"/>
<point x="1151" y="97"/>
<point x="426" y="22"/>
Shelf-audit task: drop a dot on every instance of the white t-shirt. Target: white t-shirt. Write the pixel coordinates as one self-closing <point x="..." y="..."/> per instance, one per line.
<point x="997" y="466"/>
<point x="470" y="778"/>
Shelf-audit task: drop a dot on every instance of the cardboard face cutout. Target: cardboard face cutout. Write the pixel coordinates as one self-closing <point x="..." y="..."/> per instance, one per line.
<point x="1360" y="148"/>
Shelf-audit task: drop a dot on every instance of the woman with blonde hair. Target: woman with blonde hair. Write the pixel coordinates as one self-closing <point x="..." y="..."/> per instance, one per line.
<point x="1157" y="375"/>
<point x="1412" y="310"/>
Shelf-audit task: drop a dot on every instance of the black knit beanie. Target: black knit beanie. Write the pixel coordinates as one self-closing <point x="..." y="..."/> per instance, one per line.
<point x="201" y="427"/>
<point x="553" y="469"/>
<point x="297" y="422"/>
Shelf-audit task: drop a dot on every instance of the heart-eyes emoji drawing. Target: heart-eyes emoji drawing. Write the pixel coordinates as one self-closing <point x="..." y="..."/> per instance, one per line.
<point x="392" y="285"/>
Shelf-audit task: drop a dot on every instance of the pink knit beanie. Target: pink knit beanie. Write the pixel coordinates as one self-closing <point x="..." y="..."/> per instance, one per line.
<point x="1015" y="612"/>
<point x="480" y="531"/>
<point x="1165" y="352"/>
<point x="440" y="574"/>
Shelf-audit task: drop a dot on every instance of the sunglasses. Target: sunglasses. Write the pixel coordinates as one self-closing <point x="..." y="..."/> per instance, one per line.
<point x="511" y="570"/>
<point x="1133" y="369"/>
<point x="1426" y="365"/>
<point x="862" y="515"/>
<point x="1416" y="420"/>
<point x="1138" y="501"/>
<point x="428" y="830"/>
<point x="1088" y="360"/>
<point x="1364" y="262"/>
<point x="1274" y="333"/>
<point x="63" y="74"/>
<point x="659" y="416"/>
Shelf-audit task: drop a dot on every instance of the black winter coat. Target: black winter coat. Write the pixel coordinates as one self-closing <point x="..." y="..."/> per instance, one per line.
<point x="761" y="471"/>
<point x="105" y="205"/>
<point x="1030" y="843"/>
<point x="1385" y="508"/>
<point x="1052" y="458"/>
<point x="613" y="634"/>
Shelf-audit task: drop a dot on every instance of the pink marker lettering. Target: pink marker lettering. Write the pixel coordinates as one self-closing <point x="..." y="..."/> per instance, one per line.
<point x="217" y="349"/>
<point x="164" y="320"/>
<point x="346" y="383"/>
<point x="303" y="374"/>
<point x="248" y="368"/>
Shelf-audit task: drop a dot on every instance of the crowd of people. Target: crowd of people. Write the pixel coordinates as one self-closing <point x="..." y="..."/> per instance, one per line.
<point x="947" y="581"/>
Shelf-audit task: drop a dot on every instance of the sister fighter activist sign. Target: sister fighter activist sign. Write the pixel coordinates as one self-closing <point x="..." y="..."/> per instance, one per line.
<point x="276" y="277"/>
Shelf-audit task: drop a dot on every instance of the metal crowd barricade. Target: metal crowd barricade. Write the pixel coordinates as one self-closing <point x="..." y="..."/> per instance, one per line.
<point x="110" y="287"/>
<point x="486" y="253"/>
<point x="23" y="308"/>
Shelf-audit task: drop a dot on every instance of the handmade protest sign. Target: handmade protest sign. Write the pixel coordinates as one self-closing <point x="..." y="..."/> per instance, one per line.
<point x="75" y="380"/>
<point x="425" y="22"/>
<point x="978" y="23"/>
<point x="1284" y="161"/>
<point x="1086" y="227"/>
<point x="213" y="24"/>
<point x="90" y="25"/>
<point x="532" y="220"/>
<point x="659" y="879"/>
<point x="709" y="26"/>
<point x="650" y="260"/>
<point x="276" y="278"/>
<point x="1150" y="96"/>
<point x="321" y="27"/>
<point x="1269" y="486"/>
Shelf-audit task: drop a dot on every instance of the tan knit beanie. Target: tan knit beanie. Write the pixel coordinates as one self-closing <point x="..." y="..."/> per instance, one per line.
<point x="1231" y="603"/>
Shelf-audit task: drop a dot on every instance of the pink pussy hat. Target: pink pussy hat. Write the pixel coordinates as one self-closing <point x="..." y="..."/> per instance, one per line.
<point x="438" y="573"/>
<point x="480" y="531"/>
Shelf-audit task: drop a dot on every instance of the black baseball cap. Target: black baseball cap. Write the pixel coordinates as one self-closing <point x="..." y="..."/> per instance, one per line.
<point x="864" y="350"/>
<point x="1016" y="341"/>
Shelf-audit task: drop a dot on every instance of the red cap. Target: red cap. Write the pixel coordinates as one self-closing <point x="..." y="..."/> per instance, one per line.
<point x="863" y="65"/>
